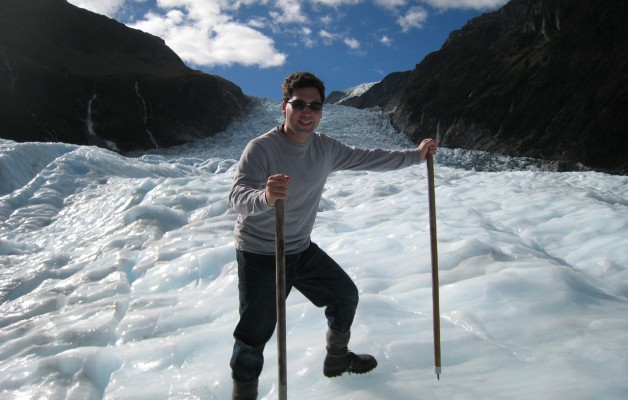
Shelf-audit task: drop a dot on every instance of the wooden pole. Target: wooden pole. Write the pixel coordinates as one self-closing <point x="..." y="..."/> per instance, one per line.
<point x="434" y="250"/>
<point x="281" y="299"/>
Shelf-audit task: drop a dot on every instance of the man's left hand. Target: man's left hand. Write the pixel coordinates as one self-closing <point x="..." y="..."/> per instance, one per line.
<point x="428" y="146"/>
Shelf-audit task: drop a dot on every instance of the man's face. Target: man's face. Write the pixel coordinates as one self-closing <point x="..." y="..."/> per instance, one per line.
<point x="301" y="123"/>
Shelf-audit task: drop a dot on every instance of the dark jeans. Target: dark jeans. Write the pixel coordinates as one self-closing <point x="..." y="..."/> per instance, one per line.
<point x="313" y="273"/>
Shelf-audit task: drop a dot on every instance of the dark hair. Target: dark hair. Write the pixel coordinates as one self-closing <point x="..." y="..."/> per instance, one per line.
<point x="300" y="80"/>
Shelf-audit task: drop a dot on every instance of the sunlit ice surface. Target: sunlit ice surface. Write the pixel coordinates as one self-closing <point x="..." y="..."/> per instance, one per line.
<point x="118" y="277"/>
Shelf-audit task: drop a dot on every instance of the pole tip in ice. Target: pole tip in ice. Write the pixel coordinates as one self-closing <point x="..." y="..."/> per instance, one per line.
<point x="437" y="370"/>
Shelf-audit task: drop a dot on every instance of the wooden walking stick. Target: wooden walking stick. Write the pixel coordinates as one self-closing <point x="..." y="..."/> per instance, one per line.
<point x="281" y="299"/>
<point x="434" y="249"/>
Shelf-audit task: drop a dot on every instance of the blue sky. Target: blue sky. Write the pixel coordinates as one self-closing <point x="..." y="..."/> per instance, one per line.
<point x="256" y="43"/>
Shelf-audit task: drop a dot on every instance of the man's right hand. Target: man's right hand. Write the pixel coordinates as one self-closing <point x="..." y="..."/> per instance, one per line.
<point x="276" y="188"/>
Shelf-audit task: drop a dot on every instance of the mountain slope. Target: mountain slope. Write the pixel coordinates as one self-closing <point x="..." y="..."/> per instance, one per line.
<point x="67" y="74"/>
<point x="538" y="78"/>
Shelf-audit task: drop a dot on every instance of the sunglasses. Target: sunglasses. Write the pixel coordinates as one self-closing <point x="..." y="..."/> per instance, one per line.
<point x="301" y="105"/>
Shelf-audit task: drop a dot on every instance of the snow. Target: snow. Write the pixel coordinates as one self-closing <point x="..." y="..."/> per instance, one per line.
<point x="118" y="275"/>
<point x="356" y="91"/>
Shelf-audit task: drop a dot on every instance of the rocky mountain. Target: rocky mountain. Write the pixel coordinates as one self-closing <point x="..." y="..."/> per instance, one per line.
<point x="340" y="96"/>
<point x="69" y="75"/>
<point x="545" y="79"/>
<point x="377" y="94"/>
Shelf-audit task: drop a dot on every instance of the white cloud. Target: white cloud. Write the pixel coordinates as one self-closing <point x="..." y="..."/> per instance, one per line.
<point x="306" y="37"/>
<point x="201" y="32"/>
<point x="326" y="20"/>
<point x="351" y="43"/>
<point x="337" y="3"/>
<point x="470" y="4"/>
<point x="234" y="43"/>
<point x="199" y="11"/>
<point x="385" y="40"/>
<point x="390" y="4"/>
<point x="104" y="7"/>
<point x="328" y="37"/>
<point x="206" y="32"/>
<point x="290" y="12"/>
<point x="258" y="23"/>
<point x="414" y="18"/>
<point x="160" y="25"/>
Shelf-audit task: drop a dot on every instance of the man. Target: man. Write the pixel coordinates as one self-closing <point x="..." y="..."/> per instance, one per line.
<point x="292" y="162"/>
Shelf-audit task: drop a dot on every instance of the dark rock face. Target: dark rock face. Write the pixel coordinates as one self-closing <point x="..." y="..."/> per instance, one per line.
<point x="379" y="95"/>
<point x="539" y="78"/>
<point x="545" y="79"/>
<point x="70" y="75"/>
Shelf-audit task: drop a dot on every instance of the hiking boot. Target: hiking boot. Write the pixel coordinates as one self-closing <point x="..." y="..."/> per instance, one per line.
<point x="340" y="360"/>
<point x="244" y="390"/>
<point x="336" y="365"/>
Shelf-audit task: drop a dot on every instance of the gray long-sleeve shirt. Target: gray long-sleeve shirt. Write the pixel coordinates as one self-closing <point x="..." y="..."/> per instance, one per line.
<point x="308" y="165"/>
